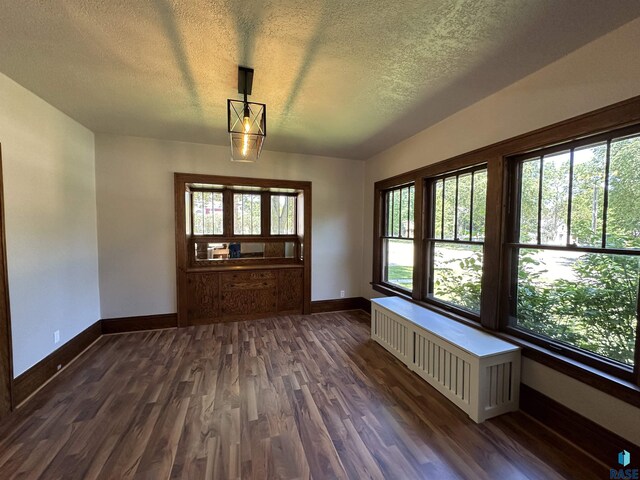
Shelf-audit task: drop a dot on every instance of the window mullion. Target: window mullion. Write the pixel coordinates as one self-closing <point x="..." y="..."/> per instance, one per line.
<point x="636" y="362"/>
<point x="605" y="206"/>
<point x="442" y="206"/>
<point x="400" y="213"/>
<point x="473" y="176"/>
<point x="409" y="212"/>
<point x="540" y="179"/>
<point x="202" y="210"/>
<point x="393" y="211"/>
<point x="455" y="210"/>
<point x="570" y="198"/>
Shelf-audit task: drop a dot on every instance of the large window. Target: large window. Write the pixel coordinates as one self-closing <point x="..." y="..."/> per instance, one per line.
<point x="575" y="248"/>
<point x="456" y="236"/>
<point x="240" y="222"/>
<point x="397" y="242"/>
<point x="536" y="237"/>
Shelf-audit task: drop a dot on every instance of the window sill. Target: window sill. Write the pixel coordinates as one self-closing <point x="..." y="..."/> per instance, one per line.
<point x="609" y="384"/>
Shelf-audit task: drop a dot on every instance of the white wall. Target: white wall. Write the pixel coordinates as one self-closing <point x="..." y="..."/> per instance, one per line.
<point x="136" y="217"/>
<point x="50" y="212"/>
<point x="599" y="74"/>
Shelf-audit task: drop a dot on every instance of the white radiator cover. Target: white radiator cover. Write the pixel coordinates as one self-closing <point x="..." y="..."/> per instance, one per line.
<point x="476" y="371"/>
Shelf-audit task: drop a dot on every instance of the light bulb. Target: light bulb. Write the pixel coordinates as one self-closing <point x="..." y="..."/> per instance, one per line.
<point x="245" y="145"/>
<point x="247" y="123"/>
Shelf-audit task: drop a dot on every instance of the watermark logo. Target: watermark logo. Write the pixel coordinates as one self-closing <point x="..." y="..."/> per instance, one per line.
<point x="624" y="459"/>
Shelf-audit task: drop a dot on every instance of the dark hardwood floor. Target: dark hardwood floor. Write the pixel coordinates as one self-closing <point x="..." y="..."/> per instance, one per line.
<point x="285" y="397"/>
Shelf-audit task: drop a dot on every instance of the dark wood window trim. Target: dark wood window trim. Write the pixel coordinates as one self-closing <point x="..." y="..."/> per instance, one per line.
<point x="494" y="300"/>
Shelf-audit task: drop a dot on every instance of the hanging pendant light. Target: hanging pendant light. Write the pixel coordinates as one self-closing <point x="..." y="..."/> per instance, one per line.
<point x="247" y="121"/>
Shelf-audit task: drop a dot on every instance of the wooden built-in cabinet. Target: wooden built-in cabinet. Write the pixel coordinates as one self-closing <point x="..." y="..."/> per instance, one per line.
<point x="270" y="272"/>
<point x="230" y="295"/>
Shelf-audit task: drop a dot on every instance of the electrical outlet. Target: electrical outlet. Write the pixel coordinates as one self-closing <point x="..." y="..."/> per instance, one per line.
<point x="56" y="336"/>
<point x="341" y="293"/>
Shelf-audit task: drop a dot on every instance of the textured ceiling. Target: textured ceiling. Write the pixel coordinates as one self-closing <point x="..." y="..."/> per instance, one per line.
<point x="345" y="78"/>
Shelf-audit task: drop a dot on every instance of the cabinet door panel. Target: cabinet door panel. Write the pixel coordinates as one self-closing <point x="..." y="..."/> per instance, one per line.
<point x="202" y="296"/>
<point x="249" y="302"/>
<point x="290" y="290"/>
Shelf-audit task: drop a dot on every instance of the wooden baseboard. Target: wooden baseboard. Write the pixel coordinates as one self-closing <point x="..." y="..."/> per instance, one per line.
<point x="136" y="324"/>
<point x="338" y="304"/>
<point x="29" y="381"/>
<point x="586" y="434"/>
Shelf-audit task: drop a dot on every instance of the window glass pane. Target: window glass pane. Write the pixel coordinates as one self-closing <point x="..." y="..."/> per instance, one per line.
<point x="479" y="204"/>
<point x="587" y="201"/>
<point x="398" y="263"/>
<point x="217" y="213"/>
<point x="410" y="218"/>
<point x="246" y="214"/>
<point x="291" y="215"/>
<point x="457" y="271"/>
<point x="399" y="207"/>
<point x="388" y="199"/>
<point x="396" y="213"/>
<point x="282" y="215"/>
<point x="449" y="207"/>
<point x="437" y="227"/>
<point x="583" y="299"/>
<point x="198" y="214"/>
<point x="555" y="199"/>
<point x="404" y="212"/>
<point x="207" y="213"/>
<point x="529" y="190"/>
<point x="464" y="207"/>
<point x="207" y="199"/>
<point x="188" y="211"/>
<point x="255" y="215"/>
<point x="623" y="214"/>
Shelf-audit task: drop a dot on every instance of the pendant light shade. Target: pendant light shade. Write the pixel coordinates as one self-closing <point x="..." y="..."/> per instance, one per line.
<point x="247" y="121"/>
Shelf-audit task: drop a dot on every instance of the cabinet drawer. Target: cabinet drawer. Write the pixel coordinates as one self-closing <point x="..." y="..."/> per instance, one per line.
<point x="260" y="279"/>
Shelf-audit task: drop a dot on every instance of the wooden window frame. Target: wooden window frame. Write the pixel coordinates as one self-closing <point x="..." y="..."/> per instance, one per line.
<point x="430" y="239"/>
<point x="224" y="211"/>
<point x="295" y="213"/>
<point x="496" y="270"/>
<point x="228" y="216"/>
<point x="232" y="213"/>
<point x="385" y="236"/>
<point x="513" y="245"/>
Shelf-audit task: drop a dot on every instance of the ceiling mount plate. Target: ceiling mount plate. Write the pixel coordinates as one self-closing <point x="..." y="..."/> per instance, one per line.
<point x="245" y="80"/>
